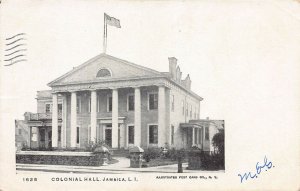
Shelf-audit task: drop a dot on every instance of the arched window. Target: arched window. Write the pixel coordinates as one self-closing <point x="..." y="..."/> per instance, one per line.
<point x="102" y="73"/>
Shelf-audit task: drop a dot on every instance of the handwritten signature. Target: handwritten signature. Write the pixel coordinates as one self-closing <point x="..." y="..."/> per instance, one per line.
<point x="266" y="165"/>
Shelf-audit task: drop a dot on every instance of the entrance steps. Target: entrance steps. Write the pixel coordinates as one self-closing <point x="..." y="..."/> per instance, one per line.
<point x="120" y="152"/>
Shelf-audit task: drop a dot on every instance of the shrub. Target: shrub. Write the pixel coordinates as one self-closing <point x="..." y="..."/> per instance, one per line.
<point x="152" y="153"/>
<point x="211" y="161"/>
<point x="92" y="145"/>
<point x="218" y="142"/>
<point x="174" y="154"/>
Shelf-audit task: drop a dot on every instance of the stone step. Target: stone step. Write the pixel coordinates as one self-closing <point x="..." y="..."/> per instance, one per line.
<point x="120" y="152"/>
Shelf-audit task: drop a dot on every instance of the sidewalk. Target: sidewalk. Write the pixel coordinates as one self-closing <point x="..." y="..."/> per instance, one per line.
<point x="121" y="167"/>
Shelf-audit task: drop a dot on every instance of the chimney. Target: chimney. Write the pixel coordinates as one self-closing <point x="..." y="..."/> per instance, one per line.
<point x="172" y="67"/>
<point x="178" y="78"/>
<point x="188" y="82"/>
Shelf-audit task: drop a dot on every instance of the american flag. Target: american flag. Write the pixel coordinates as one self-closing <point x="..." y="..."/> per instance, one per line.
<point x="15" y="49"/>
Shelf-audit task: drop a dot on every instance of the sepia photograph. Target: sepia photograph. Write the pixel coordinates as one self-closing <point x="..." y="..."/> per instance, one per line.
<point x="136" y="95"/>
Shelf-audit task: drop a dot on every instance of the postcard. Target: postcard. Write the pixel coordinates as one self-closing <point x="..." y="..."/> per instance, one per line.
<point x="149" y="95"/>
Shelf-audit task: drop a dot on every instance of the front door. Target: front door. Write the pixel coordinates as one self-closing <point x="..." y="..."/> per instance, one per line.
<point x="42" y="138"/>
<point x="108" y="137"/>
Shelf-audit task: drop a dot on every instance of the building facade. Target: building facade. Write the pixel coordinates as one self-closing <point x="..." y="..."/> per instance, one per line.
<point x="118" y="102"/>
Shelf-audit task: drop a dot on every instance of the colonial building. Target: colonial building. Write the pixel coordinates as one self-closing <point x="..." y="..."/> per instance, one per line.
<point x="121" y="103"/>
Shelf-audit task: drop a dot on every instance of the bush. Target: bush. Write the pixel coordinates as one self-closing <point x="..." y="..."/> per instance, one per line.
<point x="212" y="161"/>
<point x="218" y="142"/>
<point x="92" y="145"/>
<point x="174" y="154"/>
<point x="152" y="153"/>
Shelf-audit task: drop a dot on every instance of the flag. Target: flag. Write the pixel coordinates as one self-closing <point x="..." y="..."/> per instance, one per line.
<point x="112" y="21"/>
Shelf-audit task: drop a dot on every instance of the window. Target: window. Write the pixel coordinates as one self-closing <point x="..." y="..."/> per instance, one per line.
<point x="90" y="101"/>
<point x="187" y="109"/>
<point x="182" y="104"/>
<point x="130" y="134"/>
<point x="172" y="103"/>
<point x="206" y="133"/>
<point x="20" y="131"/>
<point x="48" y="108"/>
<point x="153" y="101"/>
<point x="34" y="131"/>
<point x="109" y="103"/>
<point x="59" y="133"/>
<point x="172" y="134"/>
<point x="77" y="136"/>
<point x="191" y="112"/>
<point x="78" y="106"/>
<point x="153" y="134"/>
<point x="59" y="107"/>
<point x="103" y="73"/>
<point x="130" y="102"/>
<point x="98" y="103"/>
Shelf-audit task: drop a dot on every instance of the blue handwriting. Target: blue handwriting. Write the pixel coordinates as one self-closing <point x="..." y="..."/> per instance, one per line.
<point x="266" y="165"/>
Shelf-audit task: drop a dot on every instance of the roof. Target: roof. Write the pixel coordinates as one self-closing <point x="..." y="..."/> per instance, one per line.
<point x="220" y="124"/>
<point x="120" y="69"/>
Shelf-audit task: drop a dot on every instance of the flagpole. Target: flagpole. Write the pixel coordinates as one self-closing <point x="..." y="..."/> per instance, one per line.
<point x="104" y="34"/>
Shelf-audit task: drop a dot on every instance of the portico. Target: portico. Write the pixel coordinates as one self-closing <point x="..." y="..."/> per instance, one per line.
<point x="107" y="119"/>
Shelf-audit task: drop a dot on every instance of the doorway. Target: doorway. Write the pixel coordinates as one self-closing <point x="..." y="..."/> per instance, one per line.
<point x="108" y="136"/>
<point x="42" y="138"/>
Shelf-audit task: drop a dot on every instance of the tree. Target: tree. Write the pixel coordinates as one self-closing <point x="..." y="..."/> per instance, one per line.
<point x="218" y="141"/>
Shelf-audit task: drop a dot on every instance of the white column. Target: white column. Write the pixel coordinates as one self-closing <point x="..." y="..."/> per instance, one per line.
<point x="29" y="134"/>
<point x="64" y="123"/>
<point x="137" y="117"/>
<point x="115" y="116"/>
<point x="203" y="136"/>
<point x="73" y="119"/>
<point x="198" y="137"/>
<point x="122" y="136"/>
<point x="93" y="115"/>
<point x="126" y="136"/>
<point x="161" y="116"/>
<point x="193" y="136"/>
<point x="54" y="120"/>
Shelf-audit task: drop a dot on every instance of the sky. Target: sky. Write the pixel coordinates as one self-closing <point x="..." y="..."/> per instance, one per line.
<point x="242" y="57"/>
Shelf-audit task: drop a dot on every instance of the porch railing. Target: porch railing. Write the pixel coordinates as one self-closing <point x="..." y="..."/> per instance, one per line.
<point x="40" y="116"/>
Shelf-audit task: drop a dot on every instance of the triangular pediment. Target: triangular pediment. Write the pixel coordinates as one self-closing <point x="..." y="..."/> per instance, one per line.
<point x="111" y="67"/>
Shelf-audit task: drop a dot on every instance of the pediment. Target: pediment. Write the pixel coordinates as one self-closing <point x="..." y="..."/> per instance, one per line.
<point x="104" y="67"/>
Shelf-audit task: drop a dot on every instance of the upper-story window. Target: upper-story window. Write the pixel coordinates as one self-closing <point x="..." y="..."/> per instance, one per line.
<point x="48" y="108"/>
<point x="172" y="103"/>
<point x="109" y="103"/>
<point x="98" y="103"/>
<point x="130" y="102"/>
<point x="78" y="105"/>
<point x="59" y="107"/>
<point x="89" y="106"/>
<point x="191" y="112"/>
<point x="187" y="110"/>
<point x="182" y="104"/>
<point x="103" y="73"/>
<point x="153" y="101"/>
